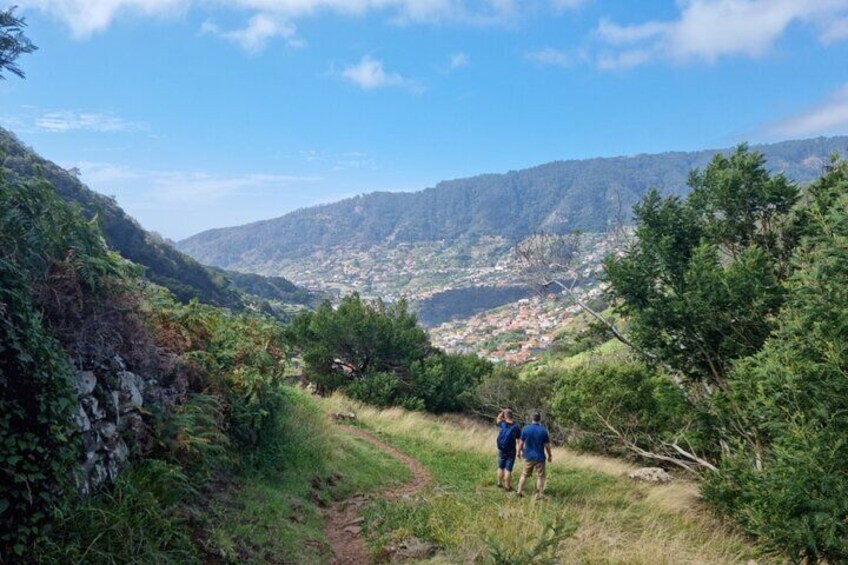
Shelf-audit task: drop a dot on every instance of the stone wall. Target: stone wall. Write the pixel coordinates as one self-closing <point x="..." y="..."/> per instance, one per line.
<point x="113" y="417"/>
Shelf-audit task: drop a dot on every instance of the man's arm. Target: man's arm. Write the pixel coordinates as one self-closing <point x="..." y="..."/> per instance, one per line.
<point x="548" y="451"/>
<point x="520" y="448"/>
<point x="500" y="418"/>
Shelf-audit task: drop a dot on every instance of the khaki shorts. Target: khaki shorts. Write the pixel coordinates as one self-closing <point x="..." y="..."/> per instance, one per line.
<point x="539" y="466"/>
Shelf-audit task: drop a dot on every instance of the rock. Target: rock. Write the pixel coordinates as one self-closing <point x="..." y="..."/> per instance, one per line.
<point x="650" y="475"/>
<point x="344" y="416"/>
<point x="121" y="453"/>
<point x="97" y="476"/>
<point x="84" y="382"/>
<point x="108" y="431"/>
<point x="92" y="408"/>
<point x="411" y="549"/>
<point x="352" y="530"/>
<point x="132" y="391"/>
<point x="81" y="421"/>
<point x="117" y="363"/>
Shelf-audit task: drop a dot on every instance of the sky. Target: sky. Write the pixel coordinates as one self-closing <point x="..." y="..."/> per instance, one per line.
<point x="197" y="114"/>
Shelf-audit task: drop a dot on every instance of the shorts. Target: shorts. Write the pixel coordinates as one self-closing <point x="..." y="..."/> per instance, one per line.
<point x="529" y="466"/>
<point x="506" y="461"/>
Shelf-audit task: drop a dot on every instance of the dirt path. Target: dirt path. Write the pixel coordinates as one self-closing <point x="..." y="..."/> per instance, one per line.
<point x="343" y="523"/>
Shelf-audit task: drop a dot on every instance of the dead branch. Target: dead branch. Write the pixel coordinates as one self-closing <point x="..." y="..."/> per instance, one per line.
<point x="691" y="463"/>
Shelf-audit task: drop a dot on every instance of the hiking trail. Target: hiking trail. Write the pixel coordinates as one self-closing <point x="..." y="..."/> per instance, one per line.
<point x="343" y="523"/>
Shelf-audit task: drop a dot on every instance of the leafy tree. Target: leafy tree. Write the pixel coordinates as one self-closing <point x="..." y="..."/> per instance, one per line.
<point x="701" y="283"/>
<point x="784" y="477"/>
<point x="13" y="42"/>
<point x="357" y="339"/>
<point x="441" y="380"/>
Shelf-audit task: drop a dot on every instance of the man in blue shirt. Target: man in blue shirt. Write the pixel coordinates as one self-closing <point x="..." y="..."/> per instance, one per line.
<point x="508" y="433"/>
<point x="533" y="445"/>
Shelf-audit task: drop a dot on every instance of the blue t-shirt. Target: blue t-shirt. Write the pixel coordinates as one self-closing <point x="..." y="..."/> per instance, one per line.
<point x="534" y="436"/>
<point x="507" y="435"/>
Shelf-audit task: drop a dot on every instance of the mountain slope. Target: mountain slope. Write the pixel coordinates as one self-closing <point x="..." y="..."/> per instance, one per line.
<point x="561" y="196"/>
<point x="164" y="265"/>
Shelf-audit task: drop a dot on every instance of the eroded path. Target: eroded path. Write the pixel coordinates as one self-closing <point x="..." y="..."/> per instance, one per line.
<point x="343" y="523"/>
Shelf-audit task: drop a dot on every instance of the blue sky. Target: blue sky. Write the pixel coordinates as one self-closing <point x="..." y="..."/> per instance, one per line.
<point x="205" y="113"/>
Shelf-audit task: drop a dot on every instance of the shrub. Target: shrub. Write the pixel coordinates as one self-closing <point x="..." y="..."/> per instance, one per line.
<point x="641" y="403"/>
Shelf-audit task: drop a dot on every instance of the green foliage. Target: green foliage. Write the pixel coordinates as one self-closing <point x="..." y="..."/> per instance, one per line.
<point x="701" y="284"/>
<point x="543" y="551"/>
<point x="136" y="521"/>
<point x="378" y="354"/>
<point x="13" y="42"/>
<point x="504" y="388"/>
<point x="441" y="380"/>
<point x="641" y="403"/>
<point x="46" y="244"/>
<point x="784" y="477"/>
<point x="239" y="357"/>
<point x="194" y="436"/>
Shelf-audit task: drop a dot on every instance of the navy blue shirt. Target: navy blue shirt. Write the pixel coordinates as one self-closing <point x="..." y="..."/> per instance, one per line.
<point x="510" y="433"/>
<point x="535" y="436"/>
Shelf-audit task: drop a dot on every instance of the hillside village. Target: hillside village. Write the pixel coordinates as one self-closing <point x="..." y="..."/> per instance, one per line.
<point x="513" y="334"/>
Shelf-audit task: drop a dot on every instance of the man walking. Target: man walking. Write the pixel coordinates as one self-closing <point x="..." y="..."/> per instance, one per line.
<point x="507" y="435"/>
<point x="534" y="444"/>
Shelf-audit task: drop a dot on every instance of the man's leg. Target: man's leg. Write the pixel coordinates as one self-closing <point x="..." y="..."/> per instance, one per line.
<point x="501" y="467"/>
<point x="528" y="470"/>
<point x="540" y="481"/>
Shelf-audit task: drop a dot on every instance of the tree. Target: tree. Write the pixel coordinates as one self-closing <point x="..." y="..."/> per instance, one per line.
<point x="13" y="42"/>
<point x="785" y="478"/>
<point x="358" y="339"/>
<point x="702" y="281"/>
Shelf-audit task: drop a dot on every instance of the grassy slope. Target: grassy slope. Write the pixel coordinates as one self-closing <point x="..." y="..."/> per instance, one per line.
<point x="603" y="517"/>
<point x="270" y="514"/>
<point x="271" y="517"/>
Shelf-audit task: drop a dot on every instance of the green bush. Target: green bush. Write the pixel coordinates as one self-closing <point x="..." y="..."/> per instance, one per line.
<point x="641" y="403"/>
<point x="784" y="478"/>
<point x="441" y="380"/>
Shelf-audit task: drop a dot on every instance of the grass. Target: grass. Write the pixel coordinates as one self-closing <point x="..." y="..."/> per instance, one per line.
<point x="274" y="514"/>
<point x="266" y="512"/>
<point x="593" y="514"/>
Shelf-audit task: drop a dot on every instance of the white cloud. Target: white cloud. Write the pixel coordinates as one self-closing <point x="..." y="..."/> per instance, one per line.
<point x="369" y="74"/>
<point x="259" y="31"/>
<point x="86" y="17"/>
<point x="551" y="56"/>
<point x="828" y="118"/>
<point x="707" y="30"/>
<point x="458" y="61"/>
<point x="70" y="120"/>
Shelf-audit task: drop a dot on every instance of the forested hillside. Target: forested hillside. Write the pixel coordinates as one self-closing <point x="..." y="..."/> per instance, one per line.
<point x="562" y="196"/>
<point x="164" y="265"/>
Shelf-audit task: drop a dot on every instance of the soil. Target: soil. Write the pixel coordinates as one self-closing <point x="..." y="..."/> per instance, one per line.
<point x="343" y="523"/>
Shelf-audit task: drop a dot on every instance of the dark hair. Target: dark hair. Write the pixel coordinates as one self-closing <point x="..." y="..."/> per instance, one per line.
<point x="507" y="414"/>
<point x="536" y="417"/>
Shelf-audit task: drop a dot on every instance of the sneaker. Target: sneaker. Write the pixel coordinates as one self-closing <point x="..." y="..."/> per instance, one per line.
<point x="519" y="494"/>
<point x="539" y="496"/>
<point x="500" y="486"/>
<point x="508" y="489"/>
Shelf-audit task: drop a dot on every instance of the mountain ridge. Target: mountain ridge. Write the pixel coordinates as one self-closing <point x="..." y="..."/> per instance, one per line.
<point x="558" y="196"/>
